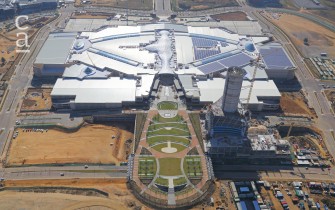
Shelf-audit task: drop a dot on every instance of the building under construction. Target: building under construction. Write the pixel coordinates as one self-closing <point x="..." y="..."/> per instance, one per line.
<point x="227" y="123"/>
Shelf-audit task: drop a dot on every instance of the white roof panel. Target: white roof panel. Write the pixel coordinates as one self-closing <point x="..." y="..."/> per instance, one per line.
<point x="111" y="90"/>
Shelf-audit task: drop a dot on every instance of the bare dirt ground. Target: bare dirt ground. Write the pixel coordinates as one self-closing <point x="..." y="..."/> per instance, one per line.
<point x="222" y="200"/>
<point x="294" y="104"/>
<point x="89" y="16"/>
<point x="231" y="16"/>
<point x="330" y="94"/>
<point x="90" y="144"/>
<point x="320" y="39"/>
<point x="37" y="99"/>
<point x="8" y="45"/>
<point x="119" y="196"/>
<point x="7" y="51"/>
<point x="268" y="196"/>
<point x="131" y="4"/>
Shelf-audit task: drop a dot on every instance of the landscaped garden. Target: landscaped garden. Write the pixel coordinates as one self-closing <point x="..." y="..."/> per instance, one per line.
<point x="178" y="147"/>
<point x="174" y="139"/>
<point x="147" y="167"/>
<point x="173" y="130"/>
<point x="192" y="167"/>
<point x="167" y="105"/>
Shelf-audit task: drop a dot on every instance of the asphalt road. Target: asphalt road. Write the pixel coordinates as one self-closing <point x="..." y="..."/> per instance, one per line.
<point x="29" y="173"/>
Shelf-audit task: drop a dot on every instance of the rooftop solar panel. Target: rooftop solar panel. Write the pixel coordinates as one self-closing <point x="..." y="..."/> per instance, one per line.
<point x="200" y="42"/>
<point x="201" y="54"/>
<point x="211" y="67"/>
<point x="240" y="59"/>
<point x="275" y="57"/>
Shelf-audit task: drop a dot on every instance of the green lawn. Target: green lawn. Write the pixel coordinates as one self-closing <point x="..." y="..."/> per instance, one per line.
<point x="179" y="181"/>
<point x="159" y="118"/>
<point x="156" y="139"/>
<point x="167" y="105"/>
<point x="169" y="166"/>
<point x="147" y="167"/>
<point x="155" y="126"/>
<point x="177" y="146"/>
<point x="192" y="167"/>
<point x="171" y="131"/>
<point x="162" y="181"/>
<point x="195" y="120"/>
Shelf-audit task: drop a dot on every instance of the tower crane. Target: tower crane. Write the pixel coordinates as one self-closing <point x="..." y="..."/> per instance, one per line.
<point x="252" y="81"/>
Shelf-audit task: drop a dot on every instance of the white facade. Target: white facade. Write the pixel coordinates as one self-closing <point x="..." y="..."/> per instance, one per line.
<point x="233" y="86"/>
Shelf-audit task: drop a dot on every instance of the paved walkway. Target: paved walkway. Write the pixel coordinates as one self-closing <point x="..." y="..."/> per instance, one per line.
<point x="171" y="198"/>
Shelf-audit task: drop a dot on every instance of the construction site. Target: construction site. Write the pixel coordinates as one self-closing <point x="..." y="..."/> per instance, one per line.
<point x="90" y="144"/>
<point x="37" y="100"/>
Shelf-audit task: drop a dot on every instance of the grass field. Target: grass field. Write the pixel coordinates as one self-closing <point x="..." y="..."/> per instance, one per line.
<point x="156" y="139"/>
<point x="179" y="181"/>
<point x="192" y="167"/>
<point x="177" y="146"/>
<point x="161" y="119"/>
<point x="169" y="166"/>
<point x="170" y="125"/>
<point x="147" y="167"/>
<point x="172" y="131"/>
<point x="162" y="181"/>
<point x="167" y="105"/>
<point x="168" y="129"/>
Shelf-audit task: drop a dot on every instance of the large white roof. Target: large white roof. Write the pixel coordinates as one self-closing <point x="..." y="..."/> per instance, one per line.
<point x="113" y="46"/>
<point x="111" y="90"/>
<point x="211" y="90"/>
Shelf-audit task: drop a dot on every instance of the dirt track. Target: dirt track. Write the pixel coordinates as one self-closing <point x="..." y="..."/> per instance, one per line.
<point x="90" y="144"/>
